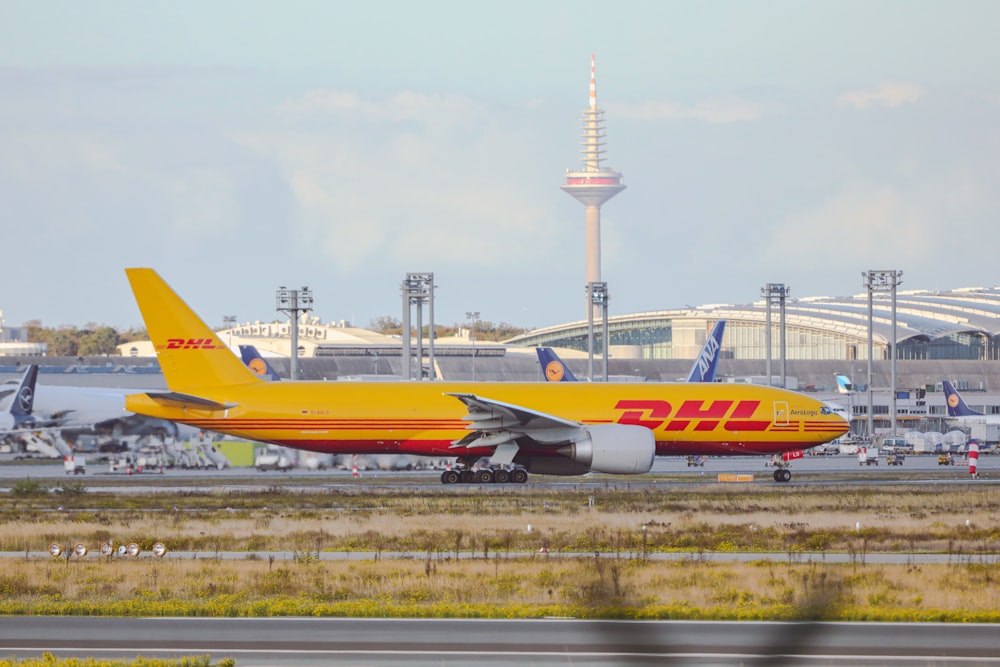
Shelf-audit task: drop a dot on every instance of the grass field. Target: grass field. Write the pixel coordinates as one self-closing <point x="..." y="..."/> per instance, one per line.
<point x="471" y="552"/>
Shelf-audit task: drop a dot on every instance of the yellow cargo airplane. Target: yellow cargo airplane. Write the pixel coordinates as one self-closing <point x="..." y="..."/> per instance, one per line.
<point x="554" y="428"/>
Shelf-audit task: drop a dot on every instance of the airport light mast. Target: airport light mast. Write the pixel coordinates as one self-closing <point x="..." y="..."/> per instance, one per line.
<point x="593" y="184"/>
<point x="293" y="302"/>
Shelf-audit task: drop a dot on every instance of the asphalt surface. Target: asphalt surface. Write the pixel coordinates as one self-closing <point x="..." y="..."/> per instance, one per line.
<point x="270" y="642"/>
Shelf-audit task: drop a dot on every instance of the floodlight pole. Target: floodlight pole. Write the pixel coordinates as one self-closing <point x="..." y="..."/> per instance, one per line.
<point x="598" y="298"/>
<point x="775" y="294"/>
<point x="473" y="317"/>
<point x="228" y="321"/>
<point x="417" y="289"/>
<point x="293" y="302"/>
<point x="881" y="281"/>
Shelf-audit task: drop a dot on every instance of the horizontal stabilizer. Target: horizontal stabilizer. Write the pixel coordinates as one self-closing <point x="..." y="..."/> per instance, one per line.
<point x="188" y="401"/>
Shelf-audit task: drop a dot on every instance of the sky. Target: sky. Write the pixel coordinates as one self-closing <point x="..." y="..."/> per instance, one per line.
<point x="240" y="146"/>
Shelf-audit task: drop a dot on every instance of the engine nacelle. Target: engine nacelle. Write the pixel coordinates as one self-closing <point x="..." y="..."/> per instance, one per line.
<point x="623" y="449"/>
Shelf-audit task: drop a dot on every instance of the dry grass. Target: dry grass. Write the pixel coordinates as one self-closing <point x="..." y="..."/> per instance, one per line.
<point x="709" y="518"/>
<point x="501" y="587"/>
<point x="436" y="524"/>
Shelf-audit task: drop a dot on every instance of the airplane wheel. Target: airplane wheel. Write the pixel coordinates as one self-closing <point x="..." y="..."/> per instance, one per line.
<point x="502" y="476"/>
<point x="449" y="477"/>
<point x="519" y="476"/>
<point x="466" y="476"/>
<point x="777" y="475"/>
<point x="786" y="475"/>
<point x="483" y="477"/>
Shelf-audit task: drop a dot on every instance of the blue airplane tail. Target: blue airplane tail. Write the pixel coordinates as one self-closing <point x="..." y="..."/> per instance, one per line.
<point x="23" y="401"/>
<point x="257" y="364"/>
<point x="956" y="406"/>
<point x="844" y="385"/>
<point x="553" y="367"/>
<point x="708" y="361"/>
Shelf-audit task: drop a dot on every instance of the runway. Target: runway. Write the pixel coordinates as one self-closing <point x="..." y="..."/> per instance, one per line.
<point x="838" y="469"/>
<point x="300" y="642"/>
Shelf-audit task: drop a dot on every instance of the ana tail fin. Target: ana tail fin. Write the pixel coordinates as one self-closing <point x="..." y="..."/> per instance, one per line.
<point x="708" y="361"/>
<point x="553" y="367"/>
<point x="189" y="352"/>
<point x="956" y="406"/>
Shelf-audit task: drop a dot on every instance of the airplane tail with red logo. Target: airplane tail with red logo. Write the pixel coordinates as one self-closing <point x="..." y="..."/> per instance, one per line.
<point x="191" y="355"/>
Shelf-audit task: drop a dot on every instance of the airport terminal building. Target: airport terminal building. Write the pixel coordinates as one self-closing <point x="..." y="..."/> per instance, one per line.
<point x="962" y="324"/>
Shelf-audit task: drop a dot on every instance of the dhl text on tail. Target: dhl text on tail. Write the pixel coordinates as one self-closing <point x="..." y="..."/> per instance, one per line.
<point x="547" y="428"/>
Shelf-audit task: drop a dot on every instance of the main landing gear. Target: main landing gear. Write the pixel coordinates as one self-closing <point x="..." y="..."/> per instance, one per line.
<point x="780" y="463"/>
<point x="781" y="472"/>
<point x="494" y="474"/>
<point x="782" y="475"/>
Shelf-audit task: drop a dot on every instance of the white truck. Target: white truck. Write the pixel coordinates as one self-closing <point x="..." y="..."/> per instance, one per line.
<point x="867" y="456"/>
<point x="75" y="464"/>
<point x="270" y="460"/>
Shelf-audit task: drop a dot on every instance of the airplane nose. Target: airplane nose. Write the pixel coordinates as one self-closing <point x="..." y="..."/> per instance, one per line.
<point x="841" y="424"/>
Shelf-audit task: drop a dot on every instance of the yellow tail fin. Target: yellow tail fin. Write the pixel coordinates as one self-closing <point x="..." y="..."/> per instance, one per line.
<point x="190" y="353"/>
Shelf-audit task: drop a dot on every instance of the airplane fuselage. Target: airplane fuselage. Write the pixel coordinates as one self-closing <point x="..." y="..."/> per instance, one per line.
<point x="421" y="418"/>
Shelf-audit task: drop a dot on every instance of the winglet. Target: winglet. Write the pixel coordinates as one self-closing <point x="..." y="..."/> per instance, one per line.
<point x="191" y="355"/>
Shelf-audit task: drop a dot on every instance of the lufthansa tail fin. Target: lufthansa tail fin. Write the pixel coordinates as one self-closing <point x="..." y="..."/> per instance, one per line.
<point x="258" y="364"/>
<point x="23" y="401"/>
<point x="16" y="413"/>
<point x="956" y="406"/>
<point x="708" y="361"/>
<point x="190" y="353"/>
<point x="554" y="368"/>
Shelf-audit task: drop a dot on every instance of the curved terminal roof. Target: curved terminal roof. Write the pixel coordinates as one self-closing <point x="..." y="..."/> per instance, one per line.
<point x="920" y="315"/>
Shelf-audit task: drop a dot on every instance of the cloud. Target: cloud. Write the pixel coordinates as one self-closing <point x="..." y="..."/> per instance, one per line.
<point x="436" y="179"/>
<point x="715" y="110"/>
<point x="888" y="95"/>
<point x="871" y="225"/>
<point x="430" y="109"/>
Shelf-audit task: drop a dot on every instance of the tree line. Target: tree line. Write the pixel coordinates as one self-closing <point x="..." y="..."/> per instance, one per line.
<point x="482" y="330"/>
<point x="93" y="340"/>
<point x="90" y="341"/>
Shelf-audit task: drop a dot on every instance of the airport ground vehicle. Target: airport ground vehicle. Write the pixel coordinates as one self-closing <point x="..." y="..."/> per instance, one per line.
<point x="75" y="464"/>
<point x="868" y="456"/>
<point x="895" y="458"/>
<point x="945" y="460"/>
<point x="272" y="461"/>
<point x="893" y="444"/>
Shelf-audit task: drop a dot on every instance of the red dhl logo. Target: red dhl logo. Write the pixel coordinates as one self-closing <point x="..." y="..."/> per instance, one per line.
<point x="655" y="414"/>
<point x="190" y="344"/>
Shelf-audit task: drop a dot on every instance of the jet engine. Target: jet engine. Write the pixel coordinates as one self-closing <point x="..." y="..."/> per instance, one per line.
<point x="622" y="449"/>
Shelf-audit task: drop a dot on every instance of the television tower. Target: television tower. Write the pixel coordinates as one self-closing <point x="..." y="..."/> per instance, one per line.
<point x="593" y="185"/>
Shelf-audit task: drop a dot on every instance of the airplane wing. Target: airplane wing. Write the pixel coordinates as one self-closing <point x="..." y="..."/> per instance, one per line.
<point x="494" y="423"/>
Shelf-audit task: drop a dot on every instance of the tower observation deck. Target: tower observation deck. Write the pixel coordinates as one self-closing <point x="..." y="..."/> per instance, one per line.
<point x="593" y="185"/>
